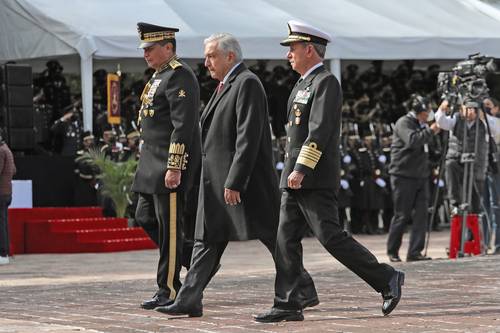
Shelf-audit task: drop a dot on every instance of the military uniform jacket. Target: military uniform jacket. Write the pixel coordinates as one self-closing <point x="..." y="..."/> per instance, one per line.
<point x="237" y="154"/>
<point x="169" y="127"/>
<point x="313" y="130"/>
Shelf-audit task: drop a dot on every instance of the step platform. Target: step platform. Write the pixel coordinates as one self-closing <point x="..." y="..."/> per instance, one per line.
<point x="75" y="230"/>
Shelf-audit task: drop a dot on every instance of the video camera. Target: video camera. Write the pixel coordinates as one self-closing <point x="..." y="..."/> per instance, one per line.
<point x="466" y="80"/>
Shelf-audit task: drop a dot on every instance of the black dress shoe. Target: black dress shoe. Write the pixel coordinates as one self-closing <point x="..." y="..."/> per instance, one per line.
<point x="277" y="315"/>
<point x="392" y="294"/>
<point x="417" y="257"/>
<point x="310" y="303"/>
<point x="178" y="310"/>
<point x="157" y="300"/>
<point x="394" y="258"/>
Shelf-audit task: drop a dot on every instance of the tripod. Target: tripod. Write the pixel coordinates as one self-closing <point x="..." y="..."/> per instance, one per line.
<point x="467" y="160"/>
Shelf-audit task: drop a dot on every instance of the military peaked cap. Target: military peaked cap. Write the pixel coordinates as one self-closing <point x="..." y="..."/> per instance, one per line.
<point x="150" y="34"/>
<point x="303" y="32"/>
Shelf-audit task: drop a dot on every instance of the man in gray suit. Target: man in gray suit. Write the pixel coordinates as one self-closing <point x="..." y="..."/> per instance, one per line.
<point x="239" y="196"/>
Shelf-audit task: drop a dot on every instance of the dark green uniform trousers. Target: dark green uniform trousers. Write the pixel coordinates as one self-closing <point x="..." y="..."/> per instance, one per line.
<point x="160" y="216"/>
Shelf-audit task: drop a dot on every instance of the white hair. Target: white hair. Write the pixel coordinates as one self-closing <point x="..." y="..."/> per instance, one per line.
<point x="226" y="43"/>
<point x="320" y="49"/>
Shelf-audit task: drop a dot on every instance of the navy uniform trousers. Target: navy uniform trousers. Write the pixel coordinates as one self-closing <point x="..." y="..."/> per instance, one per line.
<point x="160" y="216"/>
<point x="318" y="210"/>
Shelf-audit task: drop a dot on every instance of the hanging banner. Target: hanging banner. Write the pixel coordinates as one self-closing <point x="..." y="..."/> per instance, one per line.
<point x="113" y="99"/>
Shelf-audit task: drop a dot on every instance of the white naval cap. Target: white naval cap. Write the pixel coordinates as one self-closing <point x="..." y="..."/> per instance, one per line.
<point x="303" y="32"/>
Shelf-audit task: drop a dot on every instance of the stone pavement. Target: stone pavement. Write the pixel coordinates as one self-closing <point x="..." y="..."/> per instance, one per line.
<point x="102" y="292"/>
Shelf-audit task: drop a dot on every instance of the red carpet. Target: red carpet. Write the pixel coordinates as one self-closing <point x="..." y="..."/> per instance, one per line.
<point x="72" y="230"/>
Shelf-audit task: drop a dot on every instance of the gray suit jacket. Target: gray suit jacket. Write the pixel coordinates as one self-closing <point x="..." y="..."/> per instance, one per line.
<point x="237" y="154"/>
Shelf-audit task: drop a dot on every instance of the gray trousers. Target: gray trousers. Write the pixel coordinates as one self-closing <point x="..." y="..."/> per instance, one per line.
<point x="455" y="181"/>
<point x="411" y="198"/>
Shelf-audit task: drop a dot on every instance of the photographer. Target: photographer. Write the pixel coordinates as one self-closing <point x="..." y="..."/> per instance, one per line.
<point x="470" y="114"/>
<point x="409" y="172"/>
<point x="492" y="194"/>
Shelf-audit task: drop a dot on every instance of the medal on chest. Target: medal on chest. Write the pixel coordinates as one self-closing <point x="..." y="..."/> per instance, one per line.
<point x="153" y="88"/>
<point x="297" y="114"/>
<point x="147" y="99"/>
<point x="302" y="96"/>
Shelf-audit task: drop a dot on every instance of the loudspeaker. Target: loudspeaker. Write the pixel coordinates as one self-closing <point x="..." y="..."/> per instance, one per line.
<point x="17" y="102"/>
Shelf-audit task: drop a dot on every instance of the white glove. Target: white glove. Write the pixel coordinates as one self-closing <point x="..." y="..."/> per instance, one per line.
<point x="344" y="184"/>
<point x="380" y="182"/>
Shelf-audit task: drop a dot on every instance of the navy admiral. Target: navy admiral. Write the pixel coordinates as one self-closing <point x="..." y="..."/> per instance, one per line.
<point x="310" y="181"/>
<point x="239" y="196"/>
<point x="168" y="118"/>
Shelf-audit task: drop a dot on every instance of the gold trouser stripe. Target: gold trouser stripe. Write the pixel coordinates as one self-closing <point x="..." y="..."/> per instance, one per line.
<point x="172" y="251"/>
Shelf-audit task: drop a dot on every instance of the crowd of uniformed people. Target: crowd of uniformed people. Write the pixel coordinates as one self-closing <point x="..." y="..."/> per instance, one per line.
<point x="373" y="100"/>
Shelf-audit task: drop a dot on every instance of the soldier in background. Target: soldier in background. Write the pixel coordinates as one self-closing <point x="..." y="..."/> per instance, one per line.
<point x="55" y="89"/>
<point x="367" y="188"/>
<point x="86" y="172"/>
<point x="385" y="159"/>
<point x="88" y="143"/>
<point x="131" y="150"/>
<point x="345" y="193"/>
<point x="68" y="129"/>
<point x="110" y="146"/>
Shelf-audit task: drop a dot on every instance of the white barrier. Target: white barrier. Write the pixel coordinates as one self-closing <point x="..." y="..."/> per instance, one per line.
<point x="22" y="194"/>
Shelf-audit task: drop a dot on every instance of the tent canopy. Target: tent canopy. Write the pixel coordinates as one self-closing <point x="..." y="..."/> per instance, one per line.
<point x="362" y="29"/>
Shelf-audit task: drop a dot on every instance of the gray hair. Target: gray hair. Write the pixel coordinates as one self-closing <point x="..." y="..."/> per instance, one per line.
<point x="226" y="43"/>
<point x="320" y="49"/>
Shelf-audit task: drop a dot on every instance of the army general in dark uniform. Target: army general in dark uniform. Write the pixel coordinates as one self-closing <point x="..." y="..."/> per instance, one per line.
<point x="170" y="148"/>
<point x="310" y="181"/>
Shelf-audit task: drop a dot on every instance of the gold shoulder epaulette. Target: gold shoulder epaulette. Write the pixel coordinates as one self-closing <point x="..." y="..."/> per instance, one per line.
<point x="174" y="63"/>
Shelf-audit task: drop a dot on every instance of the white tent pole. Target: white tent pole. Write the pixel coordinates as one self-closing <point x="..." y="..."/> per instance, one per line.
<point x="86" y="80"/>
<point x="336" y="69"/>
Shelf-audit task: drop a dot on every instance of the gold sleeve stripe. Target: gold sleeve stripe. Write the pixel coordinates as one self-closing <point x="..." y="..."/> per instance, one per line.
<point x="177" y="158"/>
<point x="172" y="245"/>
<point x="307" y="162"/>
<point x="177" y="148"/>
<point x="316" y="154"/>
<point x="309" y="155"/>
